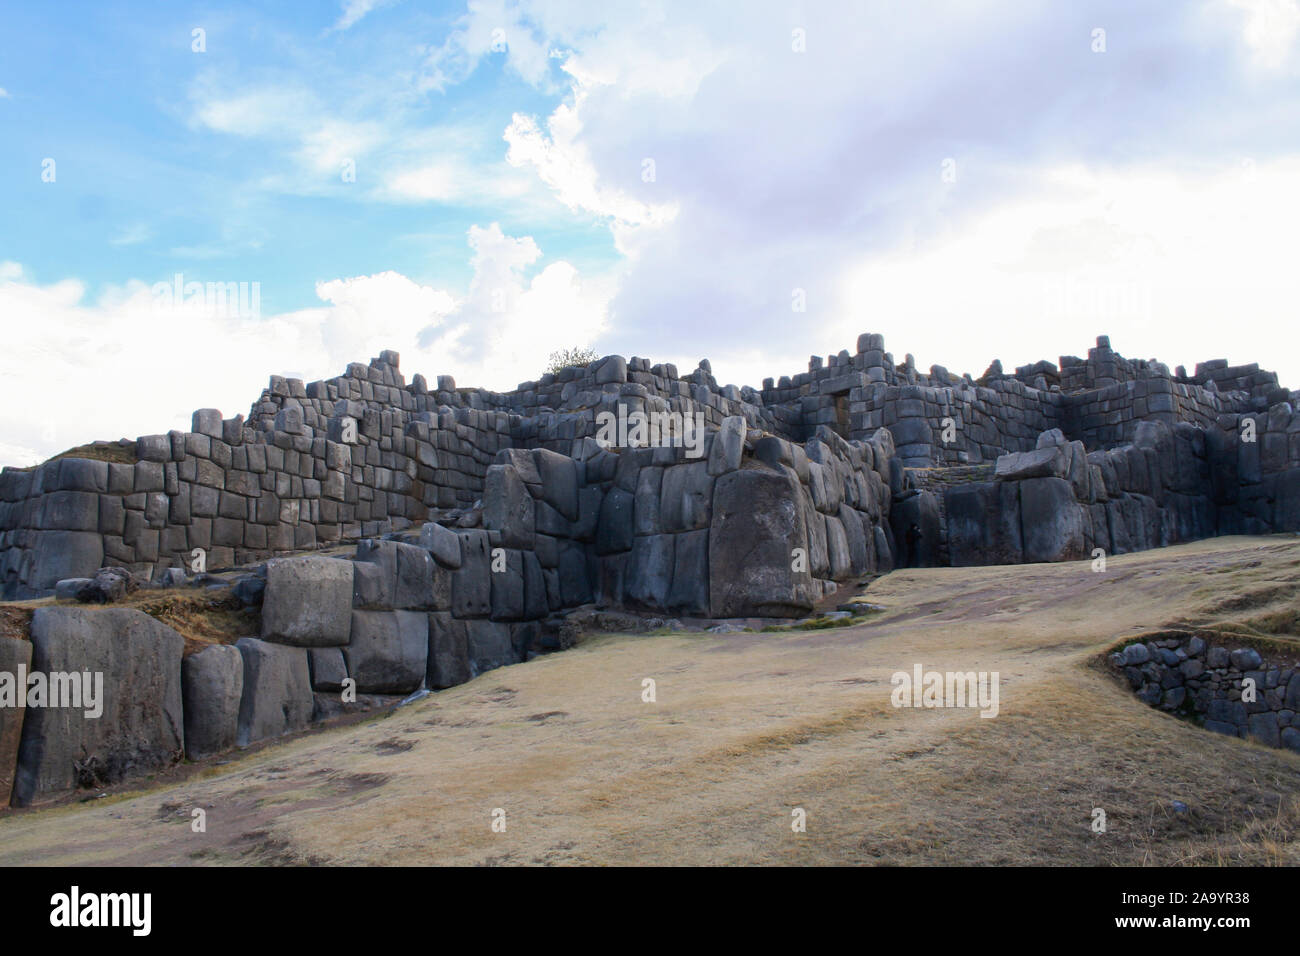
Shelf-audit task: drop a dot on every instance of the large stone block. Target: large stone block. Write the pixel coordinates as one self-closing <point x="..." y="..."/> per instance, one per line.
<point x="389" y="650"/>
<point x="488" y="645"/>
<point x="915" y="522"/>
<point x="212" y="685"/>
<point x="756" y="529"/>
<point x="1052" y="521"/>
<point x="449" y="661"/>
<point x="508" y="586"/>
<point x="856" y="537"/>
<point x="308" y="601"/>
<point x="70" y="511"/>
<point x="1051" y="461"/>
<point x="728" y="446"/>
<point x="329" y="668"/>
<point x="984" y="523"/>
<point x="65" y="554"/>
<point x="559" y="477"/>
<point x="15" y="655"/>
<point x="471" y="583"/>
<point x="650" y="571"/>
<point x="614" y="532"/>
<point x="277" y="697"/>
<point x="139" y="728"/>
<point x="574" y="577"/>
<point x="689" y="591"/>
<point x="686" y="497"/>
<point x="508" y="507"/>
<point x="442" y="543"/>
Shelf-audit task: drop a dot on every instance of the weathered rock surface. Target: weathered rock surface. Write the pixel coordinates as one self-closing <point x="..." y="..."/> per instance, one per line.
<point x="277" y="696"/>
<point x="308" y="601"/>
<point x="15" y="654"/>
<point x="140" y="727"/>
<point x="756" y="531"/>
<point x="212" y="683"/>
<point x="389" y="650"/>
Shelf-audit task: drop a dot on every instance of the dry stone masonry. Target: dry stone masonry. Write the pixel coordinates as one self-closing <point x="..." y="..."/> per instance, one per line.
<point x="396" y="538"/>
<point x="1237" y="691"/>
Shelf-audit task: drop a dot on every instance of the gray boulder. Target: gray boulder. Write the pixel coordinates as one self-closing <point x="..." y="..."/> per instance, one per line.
<point x="308" y="601"/>
<point x="277" y="696"/>
<point x="508" y="507"/>
<point x="488" y="645"/>
<point x="69" y="588"/>
<point x="757" y="526"/>
<point x="328" y="668"/>
<point x="14" y="654"/>
<point x="1245" y="659"/>
<point x="984" y="523"/>
<point x="140" y="728"/>
<point x="1052" y="520"/>
<point x="559" y="477"/>
<point x="471" y="583"/>
<point x="442" y="542"/>
<point x="1051" y="461"/>
<point x="728" y="446"/>
<point x="449" y="662"/>
<point x="106" y="586"/>
<point x="650" y="573"/>
<point x="212" y="686"/>
<point x="389" y="651"/>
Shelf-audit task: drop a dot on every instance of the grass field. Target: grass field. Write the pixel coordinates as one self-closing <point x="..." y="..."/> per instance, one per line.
<point x="747" y="727"/>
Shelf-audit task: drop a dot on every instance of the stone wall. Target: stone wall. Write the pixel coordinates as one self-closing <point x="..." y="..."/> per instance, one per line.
<point x="366" y="453"/>
<point x="755" y="526"/>
<point x="1060" y="502"/>
<point x="1204" y="681"/>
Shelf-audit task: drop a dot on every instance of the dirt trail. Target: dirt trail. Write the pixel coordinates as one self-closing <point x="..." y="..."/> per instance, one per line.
<point x="747" y="727"/>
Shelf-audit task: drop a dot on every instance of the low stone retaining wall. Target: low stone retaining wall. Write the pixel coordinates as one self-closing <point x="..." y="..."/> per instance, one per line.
<point x="1236" y="691"/>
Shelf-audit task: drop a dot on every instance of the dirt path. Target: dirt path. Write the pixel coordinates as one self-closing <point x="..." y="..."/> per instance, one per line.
<point x="747" y="727"/>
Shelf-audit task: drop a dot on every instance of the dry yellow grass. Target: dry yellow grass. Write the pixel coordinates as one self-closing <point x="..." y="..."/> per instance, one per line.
<point x="747" y="727"/>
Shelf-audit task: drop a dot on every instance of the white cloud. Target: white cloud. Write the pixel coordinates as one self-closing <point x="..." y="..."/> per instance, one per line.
<point x="501" y="332"/>
<point x="4" y="94"/>
<point x="778" y="170"/>
<point x="492" y="28"/>
<point x="157" y="362"/>
<point x="353" y="12"/>
<point x="1269" y="29"/>
<point x="1178" y="267"/>
<point x="565" y="166"/>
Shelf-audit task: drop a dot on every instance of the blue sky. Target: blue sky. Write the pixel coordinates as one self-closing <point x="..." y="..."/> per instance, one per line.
<point x="150" y="184"/>
<point x="977" y="179"/>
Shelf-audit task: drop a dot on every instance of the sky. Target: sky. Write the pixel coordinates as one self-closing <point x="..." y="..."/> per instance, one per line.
<point x="478" y="185"/>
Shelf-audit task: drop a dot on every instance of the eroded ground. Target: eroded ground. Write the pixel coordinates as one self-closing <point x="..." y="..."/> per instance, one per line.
<point x="747" y="727"/>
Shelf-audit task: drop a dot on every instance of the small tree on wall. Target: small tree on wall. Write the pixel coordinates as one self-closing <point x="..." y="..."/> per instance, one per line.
<point x="566" y="357"/>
